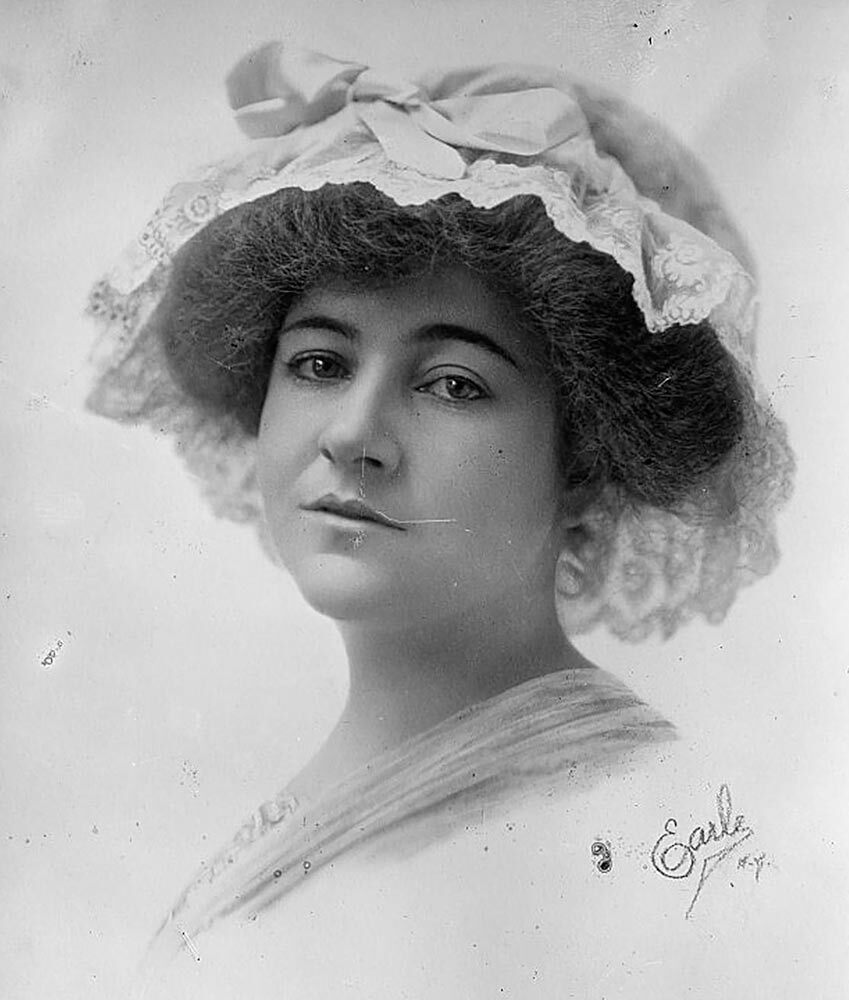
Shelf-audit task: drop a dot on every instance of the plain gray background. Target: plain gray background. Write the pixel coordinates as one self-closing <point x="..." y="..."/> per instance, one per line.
<point x="191" y="681"/>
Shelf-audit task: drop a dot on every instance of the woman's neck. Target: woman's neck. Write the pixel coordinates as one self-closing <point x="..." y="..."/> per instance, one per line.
<point x="405" y="681"/>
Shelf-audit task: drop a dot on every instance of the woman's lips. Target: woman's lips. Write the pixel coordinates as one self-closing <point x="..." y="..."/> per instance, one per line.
<point x="354" y="510"/>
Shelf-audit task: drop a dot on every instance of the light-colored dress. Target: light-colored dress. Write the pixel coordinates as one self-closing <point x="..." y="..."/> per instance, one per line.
<point x="399" y="839"/>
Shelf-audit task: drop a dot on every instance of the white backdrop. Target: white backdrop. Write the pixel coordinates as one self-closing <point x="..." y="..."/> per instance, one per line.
<point x="191" y="682"/>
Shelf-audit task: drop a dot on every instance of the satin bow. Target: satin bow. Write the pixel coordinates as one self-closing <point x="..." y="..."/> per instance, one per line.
<point x="277" y="89"/>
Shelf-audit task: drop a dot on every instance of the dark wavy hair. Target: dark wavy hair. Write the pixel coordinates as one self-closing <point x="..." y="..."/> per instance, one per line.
<point x="653" y="413"/>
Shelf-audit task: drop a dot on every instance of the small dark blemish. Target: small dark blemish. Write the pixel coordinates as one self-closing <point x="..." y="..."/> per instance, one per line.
<point x="601" y="850"/>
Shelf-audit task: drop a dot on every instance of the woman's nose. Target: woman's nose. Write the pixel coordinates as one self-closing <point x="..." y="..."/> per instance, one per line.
<point x="361" y="430"/>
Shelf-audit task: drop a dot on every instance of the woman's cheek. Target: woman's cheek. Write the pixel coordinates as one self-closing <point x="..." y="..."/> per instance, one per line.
<point x="478" y="475"/>
<point x="484" y="491"/>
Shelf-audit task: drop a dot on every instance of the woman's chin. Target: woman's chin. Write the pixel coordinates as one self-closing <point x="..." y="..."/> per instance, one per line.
<point x="347" y="589"/>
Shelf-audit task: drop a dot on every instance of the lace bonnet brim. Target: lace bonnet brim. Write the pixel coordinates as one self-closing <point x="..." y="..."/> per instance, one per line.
<point x="606" y="174"/>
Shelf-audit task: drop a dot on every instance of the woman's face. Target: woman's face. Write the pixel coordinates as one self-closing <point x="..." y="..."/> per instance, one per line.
<point x="407" y="451"/>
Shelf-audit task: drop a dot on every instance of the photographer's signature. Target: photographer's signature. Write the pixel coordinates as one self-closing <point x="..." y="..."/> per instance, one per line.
<point x="677" y="856"/>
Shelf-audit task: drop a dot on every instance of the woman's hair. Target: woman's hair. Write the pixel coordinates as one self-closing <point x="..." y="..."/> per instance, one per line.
<point x="652" y="413"/>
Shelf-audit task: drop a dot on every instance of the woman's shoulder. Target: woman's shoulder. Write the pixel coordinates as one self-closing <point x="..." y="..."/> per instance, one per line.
<point x="631" y="882"/>
<point x="516" y="900"/>
<point x="625" y="876"/>
<point x="544" y="895"/>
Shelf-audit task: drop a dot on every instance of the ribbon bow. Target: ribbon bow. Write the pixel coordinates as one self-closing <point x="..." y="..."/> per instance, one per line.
<point x="275" y="90"/>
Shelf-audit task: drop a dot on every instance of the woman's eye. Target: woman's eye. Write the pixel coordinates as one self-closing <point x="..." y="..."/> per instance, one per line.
<point x="317" y="367"/>
<point x="455" y="389"/>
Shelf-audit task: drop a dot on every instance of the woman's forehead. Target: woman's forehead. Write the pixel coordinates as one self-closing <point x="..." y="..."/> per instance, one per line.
<point x="446" y="295"/>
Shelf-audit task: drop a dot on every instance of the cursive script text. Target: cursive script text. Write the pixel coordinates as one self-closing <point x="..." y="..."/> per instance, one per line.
<point x="676" y="856"/>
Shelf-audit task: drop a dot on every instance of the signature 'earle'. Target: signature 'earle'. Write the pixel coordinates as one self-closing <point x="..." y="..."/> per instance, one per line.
<point x="675" y="857"/>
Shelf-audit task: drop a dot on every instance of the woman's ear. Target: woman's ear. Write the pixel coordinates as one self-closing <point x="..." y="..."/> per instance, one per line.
<point x="572" y="571"/>
<point x="577" y="586"/>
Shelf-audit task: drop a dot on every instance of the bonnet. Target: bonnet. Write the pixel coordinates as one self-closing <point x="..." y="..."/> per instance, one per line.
<point x="606" y="174"/>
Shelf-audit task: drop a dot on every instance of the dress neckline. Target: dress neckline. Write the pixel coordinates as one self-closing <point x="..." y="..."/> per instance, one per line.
<point x="563" y="728"/>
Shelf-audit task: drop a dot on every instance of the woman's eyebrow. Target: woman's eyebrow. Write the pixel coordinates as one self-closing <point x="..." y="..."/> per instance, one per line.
<point x="452" y="331"/>
<point x="433" y="333"/>
<point x="347" y="330"/>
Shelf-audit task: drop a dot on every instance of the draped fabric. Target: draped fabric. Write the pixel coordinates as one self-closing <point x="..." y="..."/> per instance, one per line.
<point x="564" y="731"/>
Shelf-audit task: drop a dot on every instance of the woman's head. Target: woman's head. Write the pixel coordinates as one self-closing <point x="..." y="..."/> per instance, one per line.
<point x="603" y="237"/>
<point x="590" y="400"/>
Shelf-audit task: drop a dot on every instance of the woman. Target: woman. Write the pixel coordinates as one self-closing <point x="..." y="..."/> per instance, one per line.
<point x="480" y="392"/>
